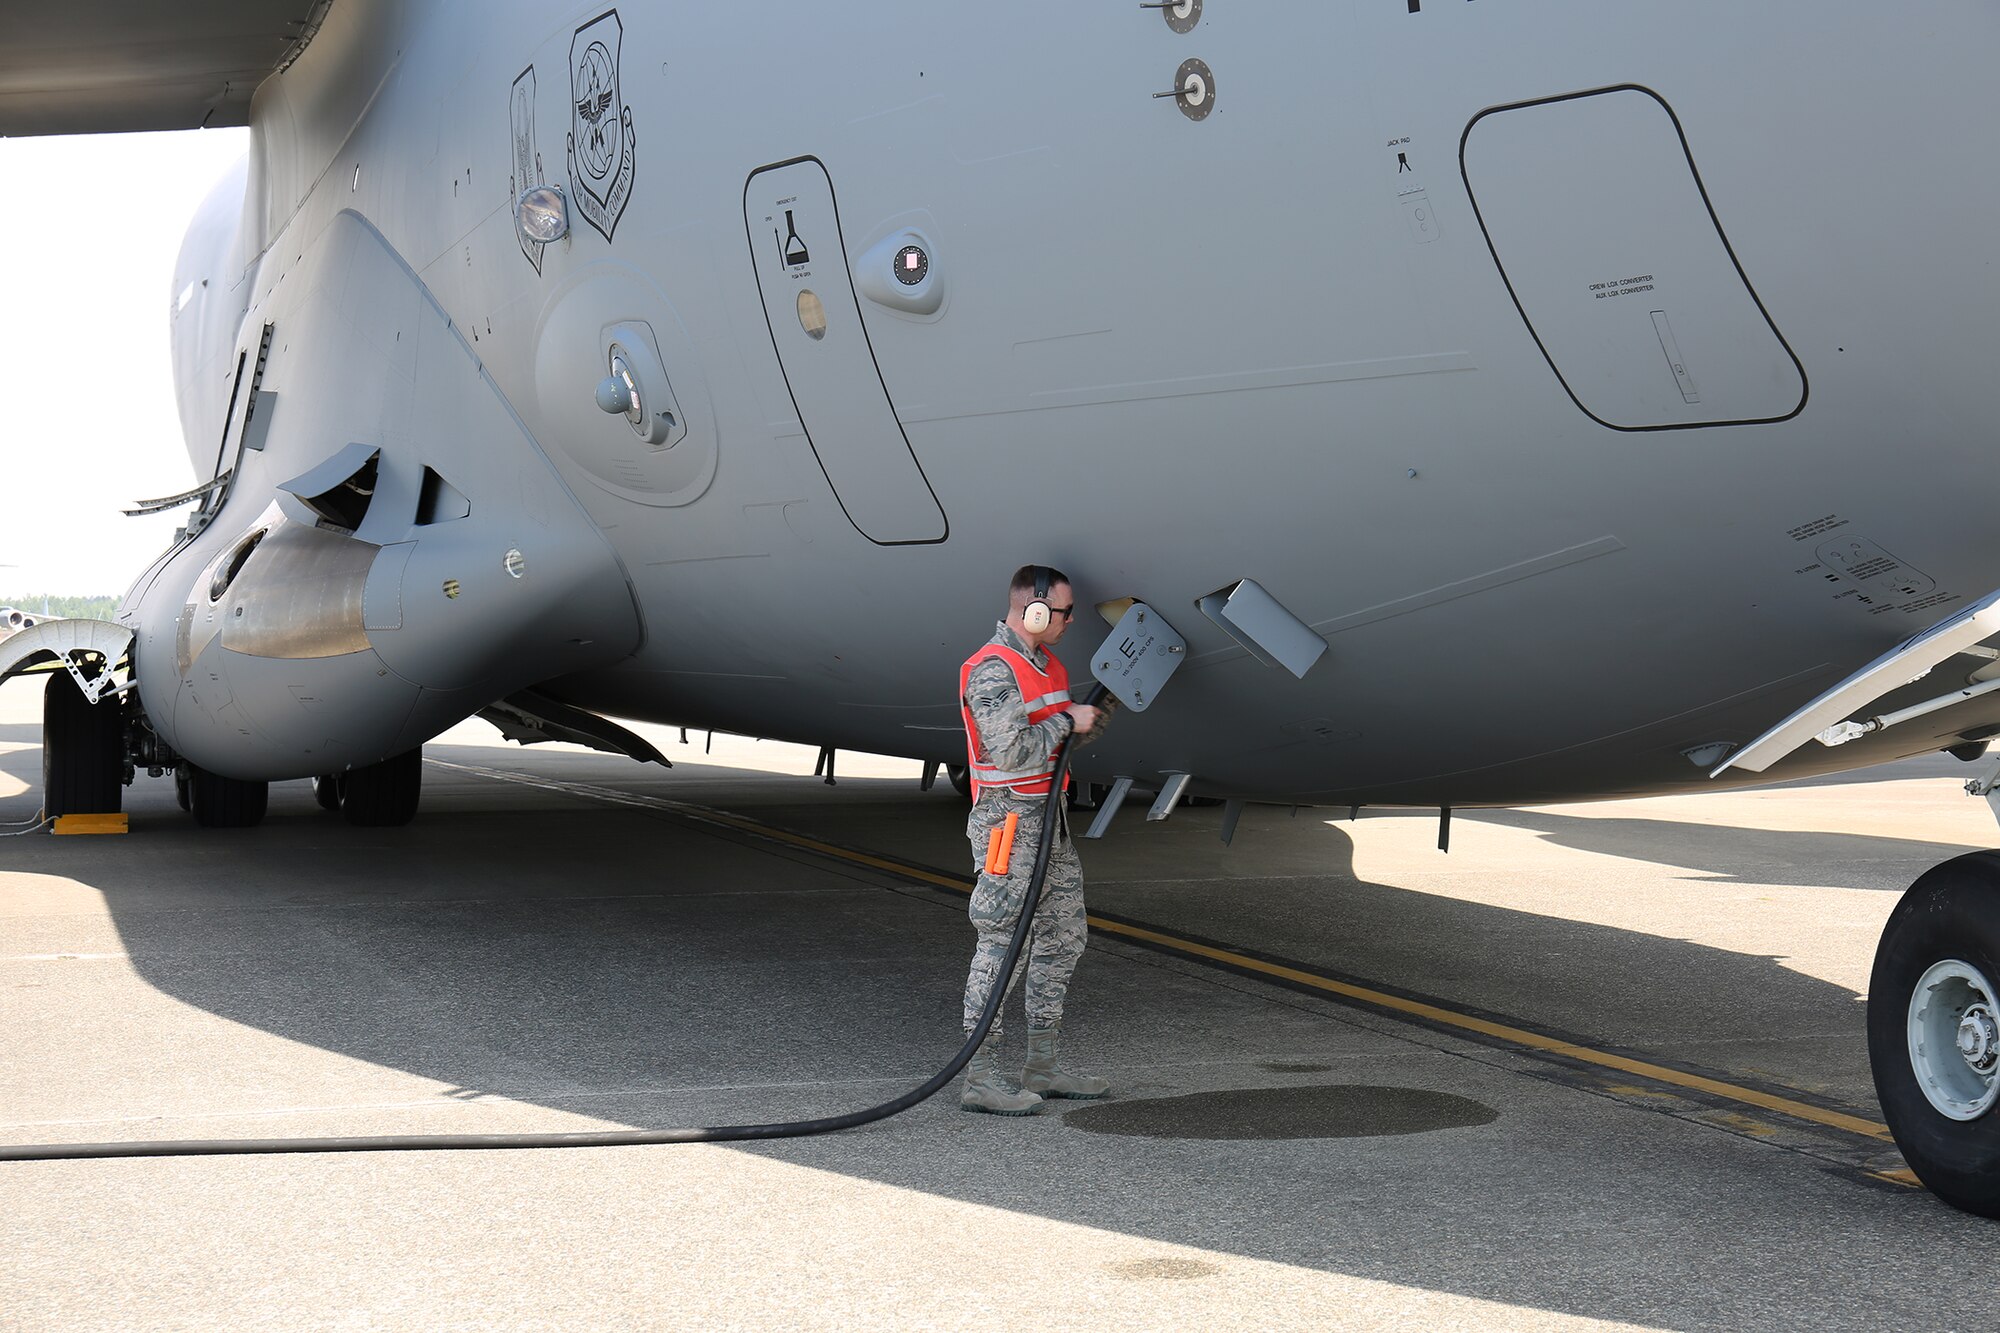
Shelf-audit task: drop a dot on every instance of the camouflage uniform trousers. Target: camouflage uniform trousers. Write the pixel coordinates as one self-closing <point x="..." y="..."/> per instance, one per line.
<point x="1055" y="940"/>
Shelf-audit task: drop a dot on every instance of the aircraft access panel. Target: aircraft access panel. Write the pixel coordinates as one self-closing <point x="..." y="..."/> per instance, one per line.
<point x="829" y="365"/>
<point x="1606" y="237"/>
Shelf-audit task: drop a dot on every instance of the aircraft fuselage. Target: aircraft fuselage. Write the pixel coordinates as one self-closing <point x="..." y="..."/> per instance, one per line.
<point x="1600" y="382"/>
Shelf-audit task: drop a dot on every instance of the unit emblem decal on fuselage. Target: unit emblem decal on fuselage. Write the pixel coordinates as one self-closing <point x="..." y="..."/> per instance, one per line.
<point x="601" y="161"/>
<point x="527" y="157"/>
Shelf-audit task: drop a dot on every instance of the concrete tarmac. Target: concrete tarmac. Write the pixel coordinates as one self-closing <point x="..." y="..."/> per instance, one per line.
<point x="563" y="941"/>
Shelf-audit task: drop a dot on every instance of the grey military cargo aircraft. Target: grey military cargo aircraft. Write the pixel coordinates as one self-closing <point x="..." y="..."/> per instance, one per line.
<point x="1513" y="401"/>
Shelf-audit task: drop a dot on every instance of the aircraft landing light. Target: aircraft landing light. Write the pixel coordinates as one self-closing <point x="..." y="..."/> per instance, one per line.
<point x="1426" y="1010"/>
<point x="541" y="213"/>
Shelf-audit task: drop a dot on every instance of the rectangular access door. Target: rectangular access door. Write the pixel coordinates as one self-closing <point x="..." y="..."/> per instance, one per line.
<point x="829" y="367"/>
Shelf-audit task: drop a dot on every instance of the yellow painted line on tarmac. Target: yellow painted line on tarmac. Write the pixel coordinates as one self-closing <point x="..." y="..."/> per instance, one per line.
<point x="1852" y="1124"/>
<point x="1797" y="1110"/>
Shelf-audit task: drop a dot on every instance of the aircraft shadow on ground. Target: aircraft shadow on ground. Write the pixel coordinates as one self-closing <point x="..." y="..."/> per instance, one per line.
<point x="584" y="956"/>
<point x="1725" y="854"/>
<point x="1936" y="765"/>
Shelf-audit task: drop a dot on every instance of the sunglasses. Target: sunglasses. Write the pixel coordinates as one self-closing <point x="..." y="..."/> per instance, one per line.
<point x="1066" y="612"/>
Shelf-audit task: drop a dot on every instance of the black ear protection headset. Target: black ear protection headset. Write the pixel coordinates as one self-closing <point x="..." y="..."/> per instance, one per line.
<point x="1036" y="615"/>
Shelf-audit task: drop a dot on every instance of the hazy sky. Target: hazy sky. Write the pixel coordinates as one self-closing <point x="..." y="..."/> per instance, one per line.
<point x="87" y="416"/>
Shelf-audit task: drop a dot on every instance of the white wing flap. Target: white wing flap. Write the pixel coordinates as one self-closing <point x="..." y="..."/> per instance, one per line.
<point x="1891" y="671"/>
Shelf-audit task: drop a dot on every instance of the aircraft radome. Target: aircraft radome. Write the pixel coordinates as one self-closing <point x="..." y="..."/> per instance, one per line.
<point x="1509" y="402"/>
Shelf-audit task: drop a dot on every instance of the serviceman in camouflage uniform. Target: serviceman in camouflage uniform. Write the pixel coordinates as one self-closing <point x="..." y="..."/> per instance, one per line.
<point x="1012" y="738"/>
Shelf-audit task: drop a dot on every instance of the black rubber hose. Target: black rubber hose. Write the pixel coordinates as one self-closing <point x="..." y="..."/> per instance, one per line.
<point x="621" y="1138"/>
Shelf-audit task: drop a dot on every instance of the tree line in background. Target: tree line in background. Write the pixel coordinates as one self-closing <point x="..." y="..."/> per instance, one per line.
<point x="69" y="608"/>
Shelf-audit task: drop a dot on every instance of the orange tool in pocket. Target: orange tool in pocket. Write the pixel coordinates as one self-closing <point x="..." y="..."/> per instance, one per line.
<point x="1000" y="846"/>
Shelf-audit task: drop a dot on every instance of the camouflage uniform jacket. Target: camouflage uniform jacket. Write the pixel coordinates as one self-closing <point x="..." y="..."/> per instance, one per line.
<point x="1007" y="738"/>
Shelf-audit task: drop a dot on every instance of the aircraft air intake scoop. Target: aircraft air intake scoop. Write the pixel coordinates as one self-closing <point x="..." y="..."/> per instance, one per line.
<point x="339" y="490"/>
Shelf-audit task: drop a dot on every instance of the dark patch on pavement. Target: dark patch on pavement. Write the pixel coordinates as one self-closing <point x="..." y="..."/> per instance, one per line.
<point x="1336" y="1111"/>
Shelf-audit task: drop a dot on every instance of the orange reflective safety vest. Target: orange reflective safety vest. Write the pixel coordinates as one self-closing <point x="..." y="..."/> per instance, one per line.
<point x="1046" y="693"/>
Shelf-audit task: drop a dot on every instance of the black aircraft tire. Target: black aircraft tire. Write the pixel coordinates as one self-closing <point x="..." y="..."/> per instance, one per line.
<point x="384" y="795"/>
<point x="219" y="802"/>
<point x="83" y="751"/>
<point x="961" y="779"/>
<point x="327" y="790"/>
<point x="1952" y="913"/>
<point x="183" y="794"/>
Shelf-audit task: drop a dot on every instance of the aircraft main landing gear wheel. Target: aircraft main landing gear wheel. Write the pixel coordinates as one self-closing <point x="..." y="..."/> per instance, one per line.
<point x="1934" y="1030"/>
<point x="83" y="751"/>
<point x="961" y="779"/>
<point x="219" y="802"/>
<point x="384" y="795"/>
<point x="327" y="790"/>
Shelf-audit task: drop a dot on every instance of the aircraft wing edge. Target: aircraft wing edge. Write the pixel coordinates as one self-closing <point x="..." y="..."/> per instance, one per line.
<point x="193" y="64"/>
<point x="1896" y="668"/>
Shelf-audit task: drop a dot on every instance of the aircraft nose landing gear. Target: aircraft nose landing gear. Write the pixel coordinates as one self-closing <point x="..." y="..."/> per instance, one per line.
<point x="83" y="751"/>
<point x="1934" y="1030"/>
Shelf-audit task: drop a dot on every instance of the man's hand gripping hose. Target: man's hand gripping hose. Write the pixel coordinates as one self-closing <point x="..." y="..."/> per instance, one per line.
<point x="622" y="1138"/>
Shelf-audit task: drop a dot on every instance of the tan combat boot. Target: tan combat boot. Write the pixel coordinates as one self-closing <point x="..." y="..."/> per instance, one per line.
<point x="985" y="1092"/>
<point x="1042" y="1076"/>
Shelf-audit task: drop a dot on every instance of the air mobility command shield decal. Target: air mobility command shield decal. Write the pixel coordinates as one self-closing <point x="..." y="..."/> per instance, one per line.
<point x="601" y="163"/>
